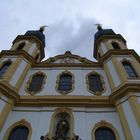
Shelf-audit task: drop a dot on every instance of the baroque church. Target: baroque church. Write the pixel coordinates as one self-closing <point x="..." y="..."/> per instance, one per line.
<point x="68" y="97"/>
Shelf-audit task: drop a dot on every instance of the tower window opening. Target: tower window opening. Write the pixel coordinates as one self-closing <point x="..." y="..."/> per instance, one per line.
<point x="37" y="57"/>
<point x="95" y="83"/>
<point x="19" y="133"/>
<point x="129" y="69"/>
<point x="99" y="56"/>
<point x="4" y="68"/>
<point x="65" y="83"/>
<point x="21" y="45"/>
<point x="104" y="133"/>
<point x="115" y="45"/>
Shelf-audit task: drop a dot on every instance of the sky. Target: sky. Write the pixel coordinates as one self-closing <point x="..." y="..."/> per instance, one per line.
<point x="70" y="23"/>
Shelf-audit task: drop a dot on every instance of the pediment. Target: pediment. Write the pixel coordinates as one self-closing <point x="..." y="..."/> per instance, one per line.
<point x="67" y="58"/>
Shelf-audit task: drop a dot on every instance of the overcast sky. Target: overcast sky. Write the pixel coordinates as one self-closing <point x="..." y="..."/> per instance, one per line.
<point x="71" y="22"/>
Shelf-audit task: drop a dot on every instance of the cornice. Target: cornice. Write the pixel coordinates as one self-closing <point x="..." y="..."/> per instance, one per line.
<point x="68" y="54"/>
<point x="112" y="52"/>
<point x="70" y="100"/>
<point x="41" y="65"/>
<point x="45" y="64"/>
<point x="18" y="53"/>
<point x="64" y="101"/>
<point x="123" y="90"/>
<point x="7" y="90"/>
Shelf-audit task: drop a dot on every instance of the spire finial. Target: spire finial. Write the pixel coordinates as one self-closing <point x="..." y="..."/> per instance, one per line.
<point x="99" y="26"/>
<point x="42" y="28"/>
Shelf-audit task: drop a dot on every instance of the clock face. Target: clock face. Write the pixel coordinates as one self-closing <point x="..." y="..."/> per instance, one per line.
<point x="67" y="60"/>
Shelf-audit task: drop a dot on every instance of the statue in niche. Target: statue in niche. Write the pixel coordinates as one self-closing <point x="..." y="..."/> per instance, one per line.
<point x="62" y="129"/>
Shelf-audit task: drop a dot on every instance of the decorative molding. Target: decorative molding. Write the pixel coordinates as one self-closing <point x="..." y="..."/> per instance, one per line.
<point x="58" y="81"/>
<point x="103" y="123"/>
<point x="68" y="55"/>
<point x="122" y="52"/>
<point x="124" y="60"/>
<point x="30" y="80"/>
<point x="20" y="53"/>
<point x="64" y="101"/>
<point x="5" y="112"/>
<point x="22" y="122"/>
<point x="102" y="82"/>
<point x="124" y="89"/>
<point x="2" y="63"/>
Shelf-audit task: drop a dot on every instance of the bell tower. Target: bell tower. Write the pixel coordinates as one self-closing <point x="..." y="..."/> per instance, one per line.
<point x="15" y="63"/>
<point x="105" y="40"/>
<point x="32" y="42"/>
<point x="26" y="50"/>
<point x="122" y="68"/>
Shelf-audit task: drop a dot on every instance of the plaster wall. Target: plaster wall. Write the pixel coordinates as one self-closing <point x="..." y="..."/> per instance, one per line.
<point x="18" y="73"/>
<point x="103" y="47"/>
<point x="32" y="48"/>
<point x="84" y="120"/>
<point x="138" y="99"/>
<point x="113" y="73"/>
<point x="80" y="86"/>
<point x="126" y="57"/>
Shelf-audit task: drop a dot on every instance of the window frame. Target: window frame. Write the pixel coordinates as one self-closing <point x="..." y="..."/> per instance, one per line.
<point x="21" y="46"/>
<point x="114" y="47"/>
<point x="101" y="80"/>
<point x="30" y="80"/>
<point x="105" y="124"/>
<point x="2" y="64"/>
<point x="23" y="123"/>
<point x="132" y="68"/>
<point x="58" y="81"/>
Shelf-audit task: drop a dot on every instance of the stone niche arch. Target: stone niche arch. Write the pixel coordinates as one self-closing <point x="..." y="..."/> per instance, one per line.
<point x="22" y="122"/>
<point x="61" y="113"/>
<point x="104" y="124"/>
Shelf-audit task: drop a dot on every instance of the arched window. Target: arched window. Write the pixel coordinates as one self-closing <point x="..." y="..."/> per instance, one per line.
<point x="95" y="83"/>
<point x="21" y="45"/>
<point x="115" y="45"/>
<point x="104" y="133"/>
<point x="129" y="69"/>
<point x="4" y="68"/>
<point x="36" y="83"/>
<point x="19" y="133"/>
<point x="65" y="83"/>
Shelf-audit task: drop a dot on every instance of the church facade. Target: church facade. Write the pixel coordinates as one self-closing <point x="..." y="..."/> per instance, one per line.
<point x="68" y="97"/>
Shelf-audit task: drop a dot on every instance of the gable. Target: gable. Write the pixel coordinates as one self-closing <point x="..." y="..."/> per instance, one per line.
<point x="68" y="58"/>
